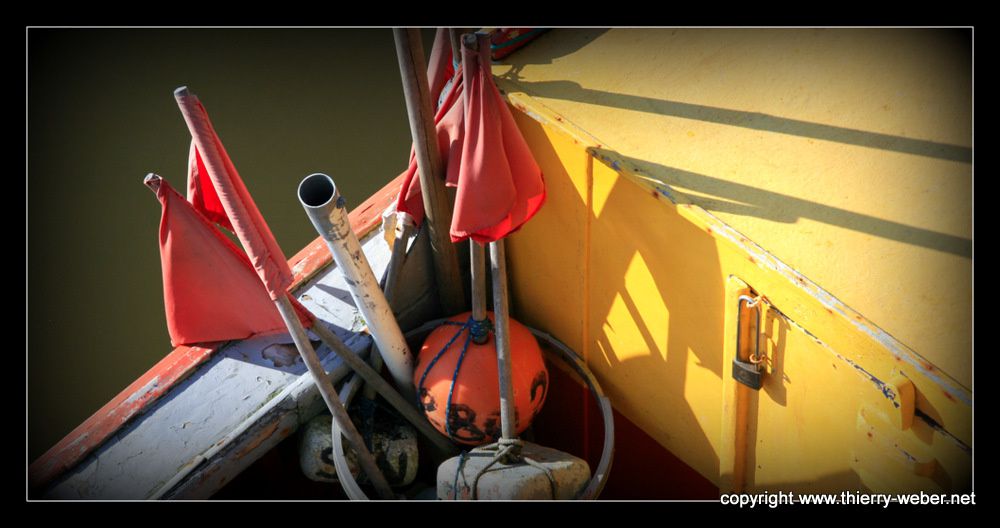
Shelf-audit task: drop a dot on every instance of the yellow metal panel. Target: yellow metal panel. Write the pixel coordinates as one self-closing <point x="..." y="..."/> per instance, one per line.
<point x="844" y="153"/>
<point x="547" y="256"/>
<point x="655" y="314"/>
<point x="638" y="284"/>
<point x="821" y="424"/>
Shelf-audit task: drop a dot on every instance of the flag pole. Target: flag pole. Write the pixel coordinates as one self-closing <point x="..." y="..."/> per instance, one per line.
<point x="413" y="69"/>
<point x="271" y="266"/>
<point x="329" y="393"/>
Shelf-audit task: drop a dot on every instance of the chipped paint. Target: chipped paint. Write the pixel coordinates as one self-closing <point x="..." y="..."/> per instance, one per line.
<point x="730" y="252"/>
<point x="518" y="98"/>
<point x="144" y="392"/>
<point x="281" y="355"/>
<point x="222" y="418"/>
<point x="263" y="436"/>
<point x="599" y="150"/>
<point x="932" y="423"/>
<point x="183" y="361"/>
<point x="831" y="303"/>
<point x="882" y="386"/>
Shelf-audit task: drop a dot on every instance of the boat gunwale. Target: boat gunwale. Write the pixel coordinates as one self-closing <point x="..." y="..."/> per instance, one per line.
<point x="184" y="360"/>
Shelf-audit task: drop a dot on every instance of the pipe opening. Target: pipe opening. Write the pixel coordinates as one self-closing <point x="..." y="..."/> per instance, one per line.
<point x="316" y="190"/>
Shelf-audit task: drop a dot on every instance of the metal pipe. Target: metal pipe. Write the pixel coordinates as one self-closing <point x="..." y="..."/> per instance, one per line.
<point x="405" y="409"/>
<point x="344" y="476"/>
<point x="404" y="229"/>
<point x="405" y="226"/>
<point x="501" y="320"/>
<point x="742" y="403"/>
<point x="302" y="343"/>
<point x="325" y="208"/>
<point x="413" y="69"/>
<point x="477" y="265"/>
<point x="477" y="255"/>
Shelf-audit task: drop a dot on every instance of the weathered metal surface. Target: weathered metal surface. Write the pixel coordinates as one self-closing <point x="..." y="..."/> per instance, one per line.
<point x="647" y="306"/>
<point x="498" y="269"/>
<point x="845" y="153"/>
<point x="327" y="211"/>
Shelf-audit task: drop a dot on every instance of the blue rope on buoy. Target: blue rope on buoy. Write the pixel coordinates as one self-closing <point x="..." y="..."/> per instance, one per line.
<point x="477" y="330"/>
<point x="480" y="330"/>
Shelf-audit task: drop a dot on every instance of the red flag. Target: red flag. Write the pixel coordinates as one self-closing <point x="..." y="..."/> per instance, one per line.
<point x="500" y="187"/>
<point x="448" y="121"/>
<point x="242" y="212"/>
<point x="210" y="290"/>
<point x="200" y="192"/>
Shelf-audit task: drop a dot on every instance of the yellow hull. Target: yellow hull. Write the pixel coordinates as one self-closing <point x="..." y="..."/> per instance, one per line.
<point x="632" y="270"/>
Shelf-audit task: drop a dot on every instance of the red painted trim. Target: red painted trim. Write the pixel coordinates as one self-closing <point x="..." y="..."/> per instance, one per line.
<point x="90" y="434"/>
<point x="183" y="361"/>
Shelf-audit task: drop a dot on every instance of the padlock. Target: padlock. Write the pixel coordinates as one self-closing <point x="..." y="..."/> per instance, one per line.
<point x="747" y="374"/>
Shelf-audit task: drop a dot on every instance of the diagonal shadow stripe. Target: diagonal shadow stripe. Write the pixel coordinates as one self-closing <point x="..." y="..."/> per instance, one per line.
<point x="737" y="198"/>
<point x="572" y="91"/>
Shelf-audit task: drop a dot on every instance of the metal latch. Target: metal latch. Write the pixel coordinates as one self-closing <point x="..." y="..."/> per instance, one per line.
<point x="748" y="372"/>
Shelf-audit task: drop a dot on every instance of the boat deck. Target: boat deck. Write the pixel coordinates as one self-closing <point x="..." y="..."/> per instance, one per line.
<point x="844" y="153"/>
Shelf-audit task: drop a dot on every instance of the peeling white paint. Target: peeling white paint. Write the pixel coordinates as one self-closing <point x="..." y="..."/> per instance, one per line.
<point x="215" y="402"/>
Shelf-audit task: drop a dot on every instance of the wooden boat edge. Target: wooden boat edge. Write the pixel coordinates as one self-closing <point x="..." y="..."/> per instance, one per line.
<point x="184" y="360"/>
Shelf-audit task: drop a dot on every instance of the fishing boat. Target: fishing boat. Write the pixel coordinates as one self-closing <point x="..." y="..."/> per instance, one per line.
<point x="758" y="241"/>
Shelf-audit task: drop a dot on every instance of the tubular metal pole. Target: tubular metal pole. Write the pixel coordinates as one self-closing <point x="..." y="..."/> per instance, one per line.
<point x="477" y="265"/>
<point x="502" y="323"/>
<point x="326" y="210"/>
<point x="413" y="69"/>
<point x="344" y="476"/>
<point x="477" y="253"/>
<point x="407" y="410"/>
<point x="404" y="229"/>
<point x="330" y="396"/>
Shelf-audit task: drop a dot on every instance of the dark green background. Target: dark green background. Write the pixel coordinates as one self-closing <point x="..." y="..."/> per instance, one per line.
<point x="101" y="114"/>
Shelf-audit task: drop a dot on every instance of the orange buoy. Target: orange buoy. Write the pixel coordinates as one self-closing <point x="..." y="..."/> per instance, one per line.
<point x="470" y="399"/>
